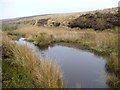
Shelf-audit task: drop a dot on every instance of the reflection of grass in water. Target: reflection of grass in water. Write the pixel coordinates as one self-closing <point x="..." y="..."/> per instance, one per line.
<point x="22" y="69"/>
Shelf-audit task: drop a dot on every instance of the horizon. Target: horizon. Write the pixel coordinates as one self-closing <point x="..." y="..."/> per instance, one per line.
<point x="53" y="14"/>
<point x="11" y="9"/>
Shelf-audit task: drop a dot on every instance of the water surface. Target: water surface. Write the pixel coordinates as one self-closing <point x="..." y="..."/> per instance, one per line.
<point x="80" y="68"/>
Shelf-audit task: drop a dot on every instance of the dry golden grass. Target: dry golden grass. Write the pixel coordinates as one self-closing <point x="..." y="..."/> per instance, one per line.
<point x="24" y="56"/>
<point x="113" y="67"/>
<point x="44" y="72"/>
<point x="96" y="40"/>
<point x="113" y="64"/>
<point x="49" y="75"/>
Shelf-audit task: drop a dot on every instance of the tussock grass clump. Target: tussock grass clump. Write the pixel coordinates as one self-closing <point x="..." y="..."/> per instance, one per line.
<point x="6" y="47"/>
<point x="54" y="79"/>
<point x="113" y="67"/>
<point x="113" y="64"/>
<point x="22" y="69"/>
<point x="42" y="39"/>
<point x="15" y="73"/>
<point x="113" y="81"/>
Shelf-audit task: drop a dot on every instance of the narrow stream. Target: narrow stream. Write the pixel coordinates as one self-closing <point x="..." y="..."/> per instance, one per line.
<point x="80" y="68"/>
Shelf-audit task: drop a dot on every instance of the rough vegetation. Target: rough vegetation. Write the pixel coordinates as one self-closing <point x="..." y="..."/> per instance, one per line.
<point x="113" y="67"/>
<point x="22" y="69"/>
<point x="97" y="31"/>
<point x="97" y="21"/>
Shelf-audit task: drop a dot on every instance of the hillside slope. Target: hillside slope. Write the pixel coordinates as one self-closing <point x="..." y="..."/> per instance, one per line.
<point x="69" y="19"/>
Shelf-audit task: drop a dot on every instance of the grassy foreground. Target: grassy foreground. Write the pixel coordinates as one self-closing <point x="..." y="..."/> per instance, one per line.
<point x="22" y="69"/>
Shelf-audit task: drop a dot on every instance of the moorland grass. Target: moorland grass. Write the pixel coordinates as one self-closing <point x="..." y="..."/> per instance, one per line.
<point x="113" y="67"/>
<point x="22" y="69"/>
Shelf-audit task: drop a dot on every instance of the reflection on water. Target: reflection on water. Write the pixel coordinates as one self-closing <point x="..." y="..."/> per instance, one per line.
<point x="80" y="68"/>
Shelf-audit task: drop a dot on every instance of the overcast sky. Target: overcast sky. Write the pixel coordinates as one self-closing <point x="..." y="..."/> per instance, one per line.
<point x="20" y="8"/>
